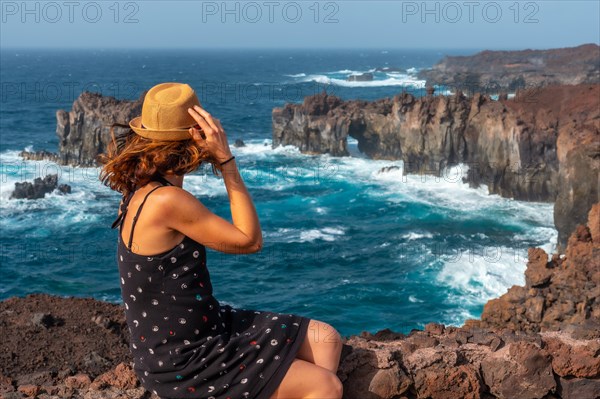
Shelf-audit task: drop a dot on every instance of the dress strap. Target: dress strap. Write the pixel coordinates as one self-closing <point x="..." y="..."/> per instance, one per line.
<point x="164" y="181"/>
<point x="118" y="222"/>
<point x="135" y="218"/>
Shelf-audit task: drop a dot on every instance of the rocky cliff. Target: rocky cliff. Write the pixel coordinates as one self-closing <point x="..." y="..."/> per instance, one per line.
<point x="542" y="145"/>
<point x="84" y="132"/>
<point x="562" y="293"/>
<point x="498" y="71"/>
<point x="538" y="341"/>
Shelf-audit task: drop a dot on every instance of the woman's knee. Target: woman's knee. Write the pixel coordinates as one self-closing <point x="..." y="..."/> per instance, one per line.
<point x="337" y="386"/>
<point x="330" y="386"/>
<point x="307" y="380"/>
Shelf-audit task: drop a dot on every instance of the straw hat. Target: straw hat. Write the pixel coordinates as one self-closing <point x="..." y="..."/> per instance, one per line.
<point x="164" y="112"/>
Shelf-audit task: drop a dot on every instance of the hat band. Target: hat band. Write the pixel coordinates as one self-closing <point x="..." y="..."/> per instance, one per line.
<point x="167" y="130"/>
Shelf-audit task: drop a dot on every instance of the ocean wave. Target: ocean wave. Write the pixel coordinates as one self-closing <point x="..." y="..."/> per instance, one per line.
<point x="406" y="80"/>
<point x="351" y="71"/>
<point x="288" y="235"/>
<point x="326" y="234"/>
<point x="474" y="277"/>
<point x="262" y="148"/>
<point x="416" y="236"/>
<point x="414" y="299"/>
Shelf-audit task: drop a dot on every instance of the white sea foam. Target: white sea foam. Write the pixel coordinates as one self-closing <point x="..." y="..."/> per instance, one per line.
<point x="414" y="299"/>
<point x="401" y="80"/>
<point x="262" y="149"/>
<point x="349" y="71"/>
<point x="74" y="207"/>
<point x="287" y="235"/>
<point x="456" y="317"/>
<point x="297" y="75"/>
<point x="477" y="275"/>
<point x="326" y="234"/>
<point x="416" y="236"/>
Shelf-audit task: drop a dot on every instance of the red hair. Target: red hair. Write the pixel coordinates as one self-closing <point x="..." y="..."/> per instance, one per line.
<point x="131" y="160"/>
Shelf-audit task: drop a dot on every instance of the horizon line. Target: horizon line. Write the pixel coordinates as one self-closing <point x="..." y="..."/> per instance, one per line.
<point x="493" y="48"/>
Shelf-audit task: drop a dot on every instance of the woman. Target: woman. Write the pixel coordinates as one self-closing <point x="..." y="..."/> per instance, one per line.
<point x="185" y="344"/>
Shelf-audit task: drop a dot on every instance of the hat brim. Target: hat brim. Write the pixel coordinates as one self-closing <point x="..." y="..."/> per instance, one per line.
<point x="166" y="135"/>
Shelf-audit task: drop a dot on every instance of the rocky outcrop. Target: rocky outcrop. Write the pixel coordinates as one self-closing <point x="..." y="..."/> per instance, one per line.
<point x="84" y="132"/>
<point x="449" y="363"/>
<point x="542" y="343"/>
<point x="363" y="77"/>
<point x="39" y="188"/>
<point x="497" y="71"/>
<point x="438" y="363"/>
<point x="543" y="145"/>
<point x="560" y="294"/>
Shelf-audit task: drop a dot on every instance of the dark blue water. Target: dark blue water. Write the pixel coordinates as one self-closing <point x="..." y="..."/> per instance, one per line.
<point x="359" y="249"/>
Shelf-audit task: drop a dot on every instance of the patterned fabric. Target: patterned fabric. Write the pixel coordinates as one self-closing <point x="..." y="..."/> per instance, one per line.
<point x="186" y="344"/>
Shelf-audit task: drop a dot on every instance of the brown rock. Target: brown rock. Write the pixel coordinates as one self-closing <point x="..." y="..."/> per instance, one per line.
<point x="36" y="378"/>
<point x="496" y="344"/>
<point x="481" y="336"/>
<point x="6" y="384"/>
<point x="50" y="389"/>
<point x="78" y="381"/>
<point x="423" y="340"/>
<point x="519" y="371"/>
<point x="581" y="360"/>
<point x="29" y="390"/>
<point x="64" y="391"/>
<point x="462" y="336"/>
<point x="448" y="383"/>
<point x="594" y="223"/>
<point x="537" y="272"/>
<point x="579" y="388"/>
<point x="534" y="309"/>
<point x="435" y="328"/>
<point x="389" y="383"/>
<point x="122" y="377"/>
<point x="472" y="324"/>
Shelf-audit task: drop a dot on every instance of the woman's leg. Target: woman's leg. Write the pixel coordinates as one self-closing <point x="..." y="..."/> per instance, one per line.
<point x="305" y="380"/>
<point x="322" y="346"/>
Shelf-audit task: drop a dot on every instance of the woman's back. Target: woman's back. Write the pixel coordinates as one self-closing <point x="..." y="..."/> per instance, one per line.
<point x="183" y="341"/>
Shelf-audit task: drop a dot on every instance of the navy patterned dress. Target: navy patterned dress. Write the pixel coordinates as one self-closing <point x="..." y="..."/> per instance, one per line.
<point x="184" y="343"/>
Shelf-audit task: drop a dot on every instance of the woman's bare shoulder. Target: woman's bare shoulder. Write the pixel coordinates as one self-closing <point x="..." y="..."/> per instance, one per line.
<point x="169" y="196"/>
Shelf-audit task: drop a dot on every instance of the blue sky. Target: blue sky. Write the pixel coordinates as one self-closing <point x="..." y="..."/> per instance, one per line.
<point x="299" y="24"/>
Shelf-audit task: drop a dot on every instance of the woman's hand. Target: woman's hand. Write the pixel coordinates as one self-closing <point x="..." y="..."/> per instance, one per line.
<point x="212" y="137"/>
